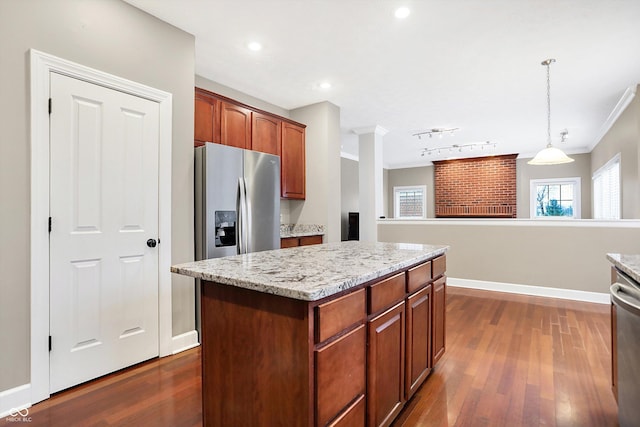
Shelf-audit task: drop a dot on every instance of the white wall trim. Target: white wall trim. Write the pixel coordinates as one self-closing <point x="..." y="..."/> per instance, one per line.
<point x="349" y="156"/>
<point x="15" y="398"/>
<point x="42" y="65"/>
<point x="185" y="341"/>
<point x="622" y="104"/>
<point x="541" y="291"/>
<point x="377" y="129"/>
<point x="518" y="222"/>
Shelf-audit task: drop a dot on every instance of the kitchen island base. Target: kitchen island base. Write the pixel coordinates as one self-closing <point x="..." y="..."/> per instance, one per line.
<point x="350" y="359"/>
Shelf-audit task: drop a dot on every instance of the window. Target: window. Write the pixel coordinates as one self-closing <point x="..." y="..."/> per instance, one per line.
<point x="410" y="202"/>
<point x="555" y="198"/>
<point x="606" y="190"/>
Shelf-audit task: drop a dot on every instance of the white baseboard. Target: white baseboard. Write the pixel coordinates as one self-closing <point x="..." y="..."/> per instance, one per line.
<point x="15" y="398"/>
<point x="185" y="341"/>
<point x="541" y="291"/>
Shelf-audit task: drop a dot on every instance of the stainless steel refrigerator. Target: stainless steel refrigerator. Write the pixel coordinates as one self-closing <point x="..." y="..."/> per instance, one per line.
<point x="237" y="203"/>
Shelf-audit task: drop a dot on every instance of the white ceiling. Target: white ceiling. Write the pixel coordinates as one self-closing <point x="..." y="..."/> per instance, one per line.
<point x="470" y="64"/>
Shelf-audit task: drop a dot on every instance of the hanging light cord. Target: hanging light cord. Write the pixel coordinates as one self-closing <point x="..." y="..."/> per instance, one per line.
<point x="547" y="63"/>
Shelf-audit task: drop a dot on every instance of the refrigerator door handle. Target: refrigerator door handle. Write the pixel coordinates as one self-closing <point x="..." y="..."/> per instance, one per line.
<point x="241" y="208"/>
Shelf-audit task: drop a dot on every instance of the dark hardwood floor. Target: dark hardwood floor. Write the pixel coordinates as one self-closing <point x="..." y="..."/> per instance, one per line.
<point x="514" y="360"/>
<point x="511" y="360"/>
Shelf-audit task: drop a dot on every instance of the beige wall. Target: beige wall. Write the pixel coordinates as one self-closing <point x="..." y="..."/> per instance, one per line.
<point x="322" y="204"/>
<point x="523" y="252"/>
<point x="385" y="193"/>
<point x="223" y="90"/>
<point x="114" y="37"/>
<point x="423" y="175"/>
<point x="623" y="138"/>
<point x="581" y="168"/>
<point x="349" y="201"/>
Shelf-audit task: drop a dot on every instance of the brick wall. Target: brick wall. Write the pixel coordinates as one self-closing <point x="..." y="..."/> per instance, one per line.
<point x="476" y="187"/>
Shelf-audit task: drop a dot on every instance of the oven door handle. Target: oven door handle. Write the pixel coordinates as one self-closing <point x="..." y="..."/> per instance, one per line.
<point x="626" y="296"/>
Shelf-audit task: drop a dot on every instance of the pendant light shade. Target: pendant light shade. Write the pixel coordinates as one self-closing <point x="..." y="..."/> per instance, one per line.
<point x="549" y="155"/>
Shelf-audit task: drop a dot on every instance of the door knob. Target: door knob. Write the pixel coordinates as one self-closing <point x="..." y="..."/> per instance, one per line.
<point x="152" y="243"/>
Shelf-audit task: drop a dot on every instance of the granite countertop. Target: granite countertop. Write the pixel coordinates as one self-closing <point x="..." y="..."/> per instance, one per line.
<point x="312" y="272"/>
<point x="300" y="230"/>
<point x="629" y="264"/>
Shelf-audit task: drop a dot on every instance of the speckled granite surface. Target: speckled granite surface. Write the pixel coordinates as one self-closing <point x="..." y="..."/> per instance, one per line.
<point x="310" y="272"/>
<point x="300" y="230"/>
<point x="629" y="264"/>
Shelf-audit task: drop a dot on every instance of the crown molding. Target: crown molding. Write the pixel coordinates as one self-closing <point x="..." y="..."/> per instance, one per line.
<point x="349" y="156"/>
<point x="622" y="104"/>
<point x="378" y="130"/>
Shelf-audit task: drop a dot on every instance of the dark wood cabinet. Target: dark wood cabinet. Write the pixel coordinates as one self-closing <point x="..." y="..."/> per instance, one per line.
<point x="256" y="360"/>
<point x="207" y="119"/>
<point x="266" y="133"/>
<point x="235" y="125"/>
<point x="225" y="121"/>
<point x="292" y="242"/>
<point x="387" y="292"/>
<point x="340" y="360"/>
<point x="348" y="360"/>
<point x="310" y="240"/>
<point x="340" y="374"/>
<point x="292" y="162"/>
<point x="438" y="318"/>
<point x="418" y="345"/>
<point x="354" y="416"/>
<point x="385" y="370"/>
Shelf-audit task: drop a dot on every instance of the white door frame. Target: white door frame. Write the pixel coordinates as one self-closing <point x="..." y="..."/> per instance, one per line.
<point x="41" y="65"/>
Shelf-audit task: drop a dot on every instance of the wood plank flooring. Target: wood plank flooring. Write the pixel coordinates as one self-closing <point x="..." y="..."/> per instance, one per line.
<point x="514" y="360"/>
<point x="511" y="360"/>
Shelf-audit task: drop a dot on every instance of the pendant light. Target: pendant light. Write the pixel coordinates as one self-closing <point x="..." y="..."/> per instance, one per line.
<point x="549" y="155"/>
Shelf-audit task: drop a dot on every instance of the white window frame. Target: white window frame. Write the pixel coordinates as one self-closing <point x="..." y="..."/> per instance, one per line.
<point x="600" y="172"/>
<point x="396" y="200"/>
<point x="575" y="181"/>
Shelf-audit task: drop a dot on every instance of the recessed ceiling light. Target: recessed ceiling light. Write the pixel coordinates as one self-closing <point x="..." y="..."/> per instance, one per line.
<point x="325" y="85"/>
<point x="255" y="46"/>
<point x="402" y="12"/>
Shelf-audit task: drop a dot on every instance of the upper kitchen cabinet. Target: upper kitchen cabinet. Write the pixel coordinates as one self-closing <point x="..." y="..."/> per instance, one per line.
<point x="292" y="161"/>
<point x="207" y="118"/>
<point x="226" y="121"/>
<point x="266" y="133"/>
<point x="235" y="125"/>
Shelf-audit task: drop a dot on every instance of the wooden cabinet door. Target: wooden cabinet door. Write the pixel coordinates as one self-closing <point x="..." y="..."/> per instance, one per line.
<point x="418" y="347"/>
<point x="206" y="118"/>
<point x="289" y="242"/>
<point x="310" y="240"/>
<point x="340" y="375"/>
<point x="439" y="316"/>
<point x="266" y="134"/>
<point x="354" y="416"/>
<point x="385" y="370"/>
<point x="292" y="161"/>
<point x="235" y="125"/>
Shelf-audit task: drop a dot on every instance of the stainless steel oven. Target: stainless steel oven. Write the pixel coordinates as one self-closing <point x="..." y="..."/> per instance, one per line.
<point x="625" y="295"/>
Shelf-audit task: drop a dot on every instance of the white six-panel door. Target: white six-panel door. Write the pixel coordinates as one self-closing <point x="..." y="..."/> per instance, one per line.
<point x="104" y="208"/>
